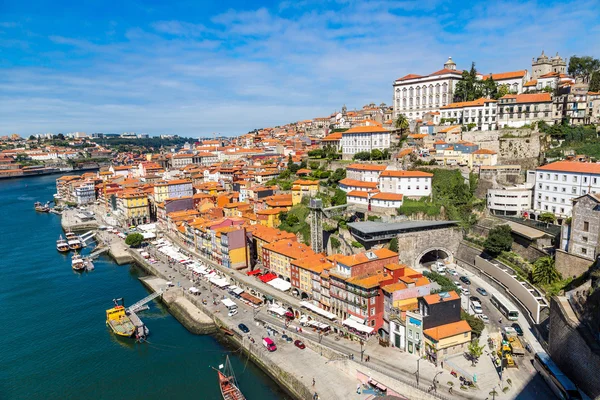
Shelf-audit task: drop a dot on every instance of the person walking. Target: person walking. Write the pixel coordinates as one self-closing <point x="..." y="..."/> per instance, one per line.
<point x="314" y="382"/>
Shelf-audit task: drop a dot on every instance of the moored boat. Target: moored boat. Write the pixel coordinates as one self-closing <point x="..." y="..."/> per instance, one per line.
<point x="77" y="262"/>
<point x="228" y="383"/>
<point x="75" y="244"/>
<point x="118" y="320"/>
<point x="89" y="264"/>
<point x="40" y="207"/>
<point x="62" y="245"/>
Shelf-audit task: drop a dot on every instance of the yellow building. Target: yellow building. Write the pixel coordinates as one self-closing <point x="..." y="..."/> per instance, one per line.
<point x="309" y="270"/>
<point x="483" y="158"/>
<point x="161" y="191"/>
<point x="270" y="217"/>
<point x="304" y="188"/>
<point x="446" y="339"/>
<point x="263" y="235"/>
<point x="133" y="208"/>
<point x="278" y="256"/>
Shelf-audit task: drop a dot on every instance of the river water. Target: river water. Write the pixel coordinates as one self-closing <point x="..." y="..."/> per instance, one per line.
<point x="54" y="343"/>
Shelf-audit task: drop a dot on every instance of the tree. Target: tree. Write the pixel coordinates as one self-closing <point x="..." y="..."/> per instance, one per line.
<point x="475" y="323"/>
<point x="502" y="91"/>
<point x="583" y="67"/>
<point x="362" y="156"/>
<point x="490" y="88"/>
<point x="394" y="245"/>
<point x="499" y="239"/>
<point x="475" y="350"/>
<point x="134" y="239"/>
<point x="60" y="136"/>
<point x="544" y="271"/>
<point x="290" y="162"/>
<point x="595" y="82"/>
<point x="285" y="174"/>
<point x="335" y="243"/>
<point x="292" y="219"/>
<point x="469" y="88"/>
<point x="376" y="154"/>
<point x="338" y="198"/>
<point x="338" y="175"/>
<point x="31" y="137"/>
<point x="547" y="217"/>
<point x="401" y="124"/>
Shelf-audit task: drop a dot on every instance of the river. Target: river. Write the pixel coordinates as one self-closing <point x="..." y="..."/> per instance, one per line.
<point x="54" y="343"/>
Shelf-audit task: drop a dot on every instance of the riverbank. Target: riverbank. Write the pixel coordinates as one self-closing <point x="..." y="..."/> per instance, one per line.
<point x="70" y="221"/>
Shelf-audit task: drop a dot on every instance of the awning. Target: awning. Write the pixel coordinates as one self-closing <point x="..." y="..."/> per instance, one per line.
<point x="280" y="284"/>
<point x="238" y="291"/>
<point x="267" y="277"/>
<point x="359" y="327"/>
<point x="255" y="272"/>
<point x="148" y="235"/>
<point x="277" y="310"/>
<point x="377" y="385"/>
<point x="250" y="298"/>
<point x="318" y="310"/>
<point x="194" y="290"/>
<point x="220" y="282"/>
<point x="228" y="303"/>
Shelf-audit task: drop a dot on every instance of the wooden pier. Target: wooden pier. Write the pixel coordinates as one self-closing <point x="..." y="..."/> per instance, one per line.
<point x="141" y="329"/>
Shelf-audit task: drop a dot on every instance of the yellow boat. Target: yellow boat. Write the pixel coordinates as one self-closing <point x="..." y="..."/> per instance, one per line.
<point x="118" y="320"/>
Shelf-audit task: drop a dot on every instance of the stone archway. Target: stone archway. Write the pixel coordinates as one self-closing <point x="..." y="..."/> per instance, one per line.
<point x="433" y="254"/>
<point x="304" y="296"/>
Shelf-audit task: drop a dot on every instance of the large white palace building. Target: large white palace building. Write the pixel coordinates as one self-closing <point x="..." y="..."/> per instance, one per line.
<point x="416" y="95"/>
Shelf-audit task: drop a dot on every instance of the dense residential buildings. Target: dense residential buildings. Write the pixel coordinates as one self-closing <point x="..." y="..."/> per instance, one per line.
<point x="478" y="114"/>
<point x="513" y="81"/>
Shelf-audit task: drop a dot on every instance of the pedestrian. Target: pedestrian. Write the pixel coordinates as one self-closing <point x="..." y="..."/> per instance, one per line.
<point x="358" y="388"/>
<point x="442" y="363"/>
<point x="450" y="390"/>
<point x="314" y="382"/>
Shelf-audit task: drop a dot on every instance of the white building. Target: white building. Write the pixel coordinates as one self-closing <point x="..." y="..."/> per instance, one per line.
<point x="481" y="112"/>
<point x="558" y="183"/>
<point x="85" y="193"/>
<point x="515" y="111"/>
<point x="407" y="183"/>
<point x="416" y="95"/>
<point x="364" y="138"/>
<point x="513" y="200"/>
<point x="181" y="160"/>
<point x="386" y="200"/>
<point x="513" y="81"/>
<point x="178" y="188"/>
<point x="364" y="172"/>
<point x="205" y="158"/>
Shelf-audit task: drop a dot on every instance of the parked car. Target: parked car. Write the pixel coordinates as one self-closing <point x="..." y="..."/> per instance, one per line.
<point x="483" y="317"/>
<point x="452" y="272"/>
<point x="269" y="344"/>
<point x="517" y="328"/>
<point x="465" y="280"/>
<point x="299" y="344"/>
<point x="232" y="312"/>
<point x="465" y="290"/>
<point x="243" y="328"/>
<point x="474" y="299"/>
<point x="482" y="291"/>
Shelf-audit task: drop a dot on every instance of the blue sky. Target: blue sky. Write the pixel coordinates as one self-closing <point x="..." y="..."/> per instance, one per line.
<point x="194" y="68"/>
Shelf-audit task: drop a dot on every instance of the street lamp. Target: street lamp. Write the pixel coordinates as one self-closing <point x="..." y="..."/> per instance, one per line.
<point x="417" y="373"/>
<point x="435" y="382"/>
<point x="361" y="350"/>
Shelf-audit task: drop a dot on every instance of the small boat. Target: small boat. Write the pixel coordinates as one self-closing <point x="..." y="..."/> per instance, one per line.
<point x="73" y="241"/>
<point x="40" y="207"/>
<point x="226" y="331"/>
<point x="62" y="245"/>
<point x="89" y="265"/>
<point x="77" y="262"/>
<point x="118" y="320"/>
<point x="228" y="384"/>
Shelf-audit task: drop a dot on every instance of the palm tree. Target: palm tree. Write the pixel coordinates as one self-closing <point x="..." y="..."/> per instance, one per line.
<point x="544" y="271"/>
<point x="401" y="123"/>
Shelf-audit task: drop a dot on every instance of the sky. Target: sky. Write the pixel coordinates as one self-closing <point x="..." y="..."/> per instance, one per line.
<point x="195" y="68"/>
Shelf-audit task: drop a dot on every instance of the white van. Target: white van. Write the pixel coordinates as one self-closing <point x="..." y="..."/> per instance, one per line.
<point x="476" y="307"/>
<point x="232" y="312"/>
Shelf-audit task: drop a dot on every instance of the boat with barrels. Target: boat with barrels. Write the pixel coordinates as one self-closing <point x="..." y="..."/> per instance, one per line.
<point x="228" y="383"/>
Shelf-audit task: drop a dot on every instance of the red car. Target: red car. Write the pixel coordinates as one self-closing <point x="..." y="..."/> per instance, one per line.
<point x="299" y="344"/>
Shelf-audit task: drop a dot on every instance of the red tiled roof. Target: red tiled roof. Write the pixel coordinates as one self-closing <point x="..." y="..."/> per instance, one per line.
<point x="530" y="97"/>
<point x="506" y="75"/>
<point x="407" y="174"/>
<point x="366" y="129"/>
<point x="572" y="166"/>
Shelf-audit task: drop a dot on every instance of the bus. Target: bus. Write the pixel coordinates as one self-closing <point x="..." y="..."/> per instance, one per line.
<point x="505" y="307"/>
<point x="558" y="382"/>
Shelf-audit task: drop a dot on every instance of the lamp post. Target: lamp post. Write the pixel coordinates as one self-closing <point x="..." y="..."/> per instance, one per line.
<point x="417" y="373"/>
<point x="435" y="382"/>
<point x="361" y="350"/>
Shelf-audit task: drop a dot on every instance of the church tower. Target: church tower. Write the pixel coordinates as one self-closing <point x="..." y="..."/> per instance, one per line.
<point x="450" y="64"/>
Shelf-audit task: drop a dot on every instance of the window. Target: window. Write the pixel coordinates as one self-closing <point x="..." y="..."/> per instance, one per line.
<point x="410" y="334"/>
<point x="555" y="189"/>
<point x="372" y="311"/>
<point x="584" y="239"/>
<point x="583" y="250"/>
<point x="564" y="190"/>
<point x="586" y="226"/>
<point x="585" y="179"/>
<point x="417" y="336"/>
<point x="575" y="179"/>
<point x="373" y="300"/>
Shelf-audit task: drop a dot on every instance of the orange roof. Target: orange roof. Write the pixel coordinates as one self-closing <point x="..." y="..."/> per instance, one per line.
<point x="370" y="280"/>
<point x="358" y="193"/>
<point x="290" y="249"/>
<point x="356" y="183"/>
<point x="409" y="76"/>
<point x="366" y="129"/>
<point x="572" y="166"/>
<point x="270" y="234"/>
<point x="484" y="151"/>
<point x="448" y="129"/>
<point x="306" y="182"/>
<point x="405" y="152"/>
<point x="333" y="137"/>
<point x="550" y="75"/>
<point x="406" y="174"/>
<point x="436" y="298"/>
<point x="314" y="263"/>
<point x="475" y="103"/>
<point x="388" y="196"/>
<point x="417" y="135"/>
<point x="445" y="331"/>
<point x="367" y="167"/>
<point x="178" y="182"/>
<point x="532" y="82"/>
<point x="361" y="258"/>
<point x="506" y="75"/>
<point x="530" y="97"/>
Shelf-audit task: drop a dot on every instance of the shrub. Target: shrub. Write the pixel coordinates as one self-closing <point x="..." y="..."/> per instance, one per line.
<point x="134" y="239"/>
<point x="335" y="243"/>
<point x="357" y="245"/>
<point x="499" y="239"/>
